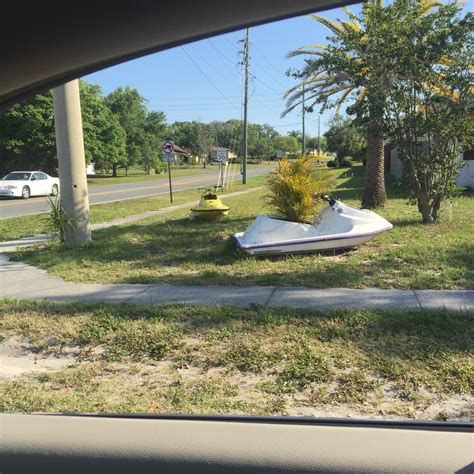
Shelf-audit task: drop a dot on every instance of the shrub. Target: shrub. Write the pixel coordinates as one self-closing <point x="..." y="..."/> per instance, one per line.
<point x="346" y="163"/>
<point x="293" y="186"/>
<point x="57" y="219"/>
<point x="161" y="168"/>
<point x="332" y="164"/>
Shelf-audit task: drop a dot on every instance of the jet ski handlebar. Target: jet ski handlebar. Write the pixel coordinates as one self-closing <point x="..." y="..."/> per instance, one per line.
<point x="326" y="198"/>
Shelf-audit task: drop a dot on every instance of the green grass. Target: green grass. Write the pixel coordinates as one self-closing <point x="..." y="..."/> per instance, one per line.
<point x="173" y="249"/>
<point x="18" y="227"/>
<point x="259" y="361"/>
<point x="138" y="174"/>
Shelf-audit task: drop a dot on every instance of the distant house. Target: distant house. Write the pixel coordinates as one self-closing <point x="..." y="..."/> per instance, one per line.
<point x="465" y="177"/>
<point x="185" y="156"/>
<point x="214" y="151"/>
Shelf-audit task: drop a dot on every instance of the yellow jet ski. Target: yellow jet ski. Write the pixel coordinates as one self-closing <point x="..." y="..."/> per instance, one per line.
<point x="210" y="207"/>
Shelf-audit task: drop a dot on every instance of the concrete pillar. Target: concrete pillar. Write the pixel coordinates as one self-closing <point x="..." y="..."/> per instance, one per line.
<point x="72" y="163"/>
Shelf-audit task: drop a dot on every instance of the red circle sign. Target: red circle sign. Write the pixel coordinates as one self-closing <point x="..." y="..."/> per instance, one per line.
<point x="167" y="147"/>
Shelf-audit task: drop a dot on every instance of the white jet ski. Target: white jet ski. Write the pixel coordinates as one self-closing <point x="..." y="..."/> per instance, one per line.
<point x="338" y="227"/>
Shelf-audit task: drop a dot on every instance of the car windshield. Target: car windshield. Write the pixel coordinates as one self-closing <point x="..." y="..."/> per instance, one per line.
<point x="17" y="176"/>
<point x="274" y="221"/>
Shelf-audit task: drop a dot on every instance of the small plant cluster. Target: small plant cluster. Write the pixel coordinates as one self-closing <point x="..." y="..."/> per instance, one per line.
<point x="57" y="219"/>
<point x="293" y="187"/>
<point x="345" y="163"/>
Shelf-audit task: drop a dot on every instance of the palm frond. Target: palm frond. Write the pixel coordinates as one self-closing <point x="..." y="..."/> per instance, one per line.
<point x="334" y="27"/>
<point x="350" y="26"/>
<point x="426" y="9"/>
<point x="362" y="94"/>
<point x="300" y="51"/>
<point x="343" y="98"/>
<point x="350" y="14"/>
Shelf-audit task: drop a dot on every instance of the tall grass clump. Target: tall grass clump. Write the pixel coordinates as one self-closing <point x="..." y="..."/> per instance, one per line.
<point x="57" y="219"/>
<point x="292" y="189"/>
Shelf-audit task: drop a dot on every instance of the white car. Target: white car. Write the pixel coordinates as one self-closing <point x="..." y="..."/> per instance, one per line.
<point x="29" y="183"/>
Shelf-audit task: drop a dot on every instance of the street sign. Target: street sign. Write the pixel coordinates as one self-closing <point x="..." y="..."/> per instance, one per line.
<point x="168" y="147"/>
<point x="169" y="157"/>
<point x="221" y="155"/>
<point x="279" y="154"/>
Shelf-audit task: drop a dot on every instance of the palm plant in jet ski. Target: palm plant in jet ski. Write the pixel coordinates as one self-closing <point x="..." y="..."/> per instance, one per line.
<point x="338" y="227"/>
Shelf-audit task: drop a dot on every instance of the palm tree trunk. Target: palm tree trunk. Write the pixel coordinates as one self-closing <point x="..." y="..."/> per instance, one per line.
<point x="374" y="187"/>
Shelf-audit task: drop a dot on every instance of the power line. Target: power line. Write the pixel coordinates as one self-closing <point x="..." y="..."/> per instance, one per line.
<point x="208" y="98"/>
<point x="208" y="78"/>
<point x="269" y="102"/>
<point x="231" y="74"/>
<point x="221" y="53"/>
<point x="197" y="109"/>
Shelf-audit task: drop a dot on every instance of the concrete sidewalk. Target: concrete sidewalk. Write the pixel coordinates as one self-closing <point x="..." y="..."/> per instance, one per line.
<point x="22" y="281"/>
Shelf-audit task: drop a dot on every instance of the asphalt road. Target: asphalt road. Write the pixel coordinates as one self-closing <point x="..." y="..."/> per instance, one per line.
<point x="119" y="192"/>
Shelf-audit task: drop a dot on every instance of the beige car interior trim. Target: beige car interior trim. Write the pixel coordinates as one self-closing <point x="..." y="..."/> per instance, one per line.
<point x="42" y="443"/>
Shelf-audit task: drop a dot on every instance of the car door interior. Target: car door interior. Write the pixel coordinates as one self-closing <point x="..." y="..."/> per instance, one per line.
<point x="48" y="443"/>
<point x="44" y="44"/>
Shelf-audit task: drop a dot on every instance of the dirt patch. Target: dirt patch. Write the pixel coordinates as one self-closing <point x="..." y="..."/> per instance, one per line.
<point x="17" y="359"/>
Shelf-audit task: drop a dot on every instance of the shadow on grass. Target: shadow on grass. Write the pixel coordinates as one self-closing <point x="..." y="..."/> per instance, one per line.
<point x="414" y="334"/>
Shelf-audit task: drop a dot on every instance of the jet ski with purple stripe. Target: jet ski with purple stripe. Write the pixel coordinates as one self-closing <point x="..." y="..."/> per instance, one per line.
<point x="338" y="226"/>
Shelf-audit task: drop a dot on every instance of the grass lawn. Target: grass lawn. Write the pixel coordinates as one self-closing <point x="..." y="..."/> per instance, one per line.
<point x="259" y="361"/>
<point x="138" y="174"/>
<point x="18" y="227"/>
<point x="173" y="249"/>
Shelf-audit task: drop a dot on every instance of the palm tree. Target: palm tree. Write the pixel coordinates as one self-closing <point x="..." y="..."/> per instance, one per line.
<point x="353" y="65"/>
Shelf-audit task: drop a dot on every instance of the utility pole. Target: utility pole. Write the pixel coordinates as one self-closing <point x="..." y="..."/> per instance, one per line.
<point x="303" y="151"/>
<point x="319" y="134"/>
<point x="71" y="162"/>
<point x="246" y="100"/>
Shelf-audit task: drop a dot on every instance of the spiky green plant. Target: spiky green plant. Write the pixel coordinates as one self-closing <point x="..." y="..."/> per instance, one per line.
<point x="57" y="219"/>
<point x="293" y="186"/>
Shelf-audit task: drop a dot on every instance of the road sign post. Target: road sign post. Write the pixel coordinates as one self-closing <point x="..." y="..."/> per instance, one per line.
<point x="169" y="181"/>
<point x="168" y="148"/>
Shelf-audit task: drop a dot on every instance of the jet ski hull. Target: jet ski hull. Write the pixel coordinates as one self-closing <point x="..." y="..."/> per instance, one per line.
<point x="339" y="227"/>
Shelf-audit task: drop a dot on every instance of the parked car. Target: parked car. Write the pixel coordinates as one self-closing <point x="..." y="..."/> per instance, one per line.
<point x="29" y="183"/>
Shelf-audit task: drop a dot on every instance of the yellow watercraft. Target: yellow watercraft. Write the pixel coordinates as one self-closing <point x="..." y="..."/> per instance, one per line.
<point x="210" y="207"/>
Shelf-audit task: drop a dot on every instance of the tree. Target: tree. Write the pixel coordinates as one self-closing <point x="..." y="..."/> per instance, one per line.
<point x="203" y="142"/>
<point x="104" y="137"/>
<point x="288" y="144"/>
<point x="27" y="136"/>
<point x="129" y="107"/>
<point x="353" y="66"/>
<point x="345" y="139"/>
<point x="314" y="142"/>
<point x="430" y="107"/>
<point x="155" y="131"/>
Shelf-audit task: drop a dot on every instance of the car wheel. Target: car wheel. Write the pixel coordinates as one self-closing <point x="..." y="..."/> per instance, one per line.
<point x="25" y="192"/>
<point x="54" y="190"/>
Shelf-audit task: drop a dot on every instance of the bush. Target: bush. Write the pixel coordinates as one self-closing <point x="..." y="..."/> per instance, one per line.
<point x="161" y="167"/>
<point x="346" y="163"/>
<point x="293" y="186"/>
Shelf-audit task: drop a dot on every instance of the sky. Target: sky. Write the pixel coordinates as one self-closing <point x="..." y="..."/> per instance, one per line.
<point x="202" y="80"/>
